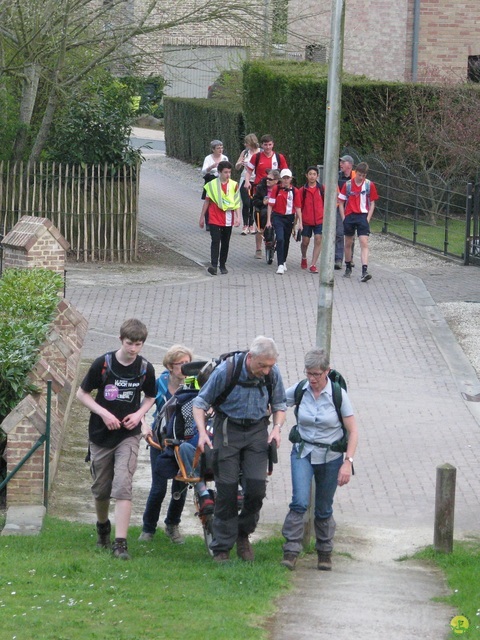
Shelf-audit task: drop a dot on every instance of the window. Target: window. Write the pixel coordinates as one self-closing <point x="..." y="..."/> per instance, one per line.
<point x="473" y="73"/>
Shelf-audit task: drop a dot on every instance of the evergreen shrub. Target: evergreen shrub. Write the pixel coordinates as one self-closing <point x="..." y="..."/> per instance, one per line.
<point x="192" y="123"/>
<point x="28" y="299"/>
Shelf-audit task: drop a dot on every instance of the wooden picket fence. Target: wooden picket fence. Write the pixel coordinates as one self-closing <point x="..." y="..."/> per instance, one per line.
<point x="94" y="207"/>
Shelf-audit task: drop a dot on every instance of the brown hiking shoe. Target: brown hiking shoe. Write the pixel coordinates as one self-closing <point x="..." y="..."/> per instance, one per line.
<point x="120" y="549"/>
<point x="221" y="556"/>
<point x="244" y="549"/>
<point x="173" y="532"/>
<point x="103" y="534"/>
<point x="289" y="560"/>
<point x="324" y="561"/>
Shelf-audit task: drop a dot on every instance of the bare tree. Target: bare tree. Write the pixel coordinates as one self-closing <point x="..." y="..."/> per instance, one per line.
<point x="53" y="44"/>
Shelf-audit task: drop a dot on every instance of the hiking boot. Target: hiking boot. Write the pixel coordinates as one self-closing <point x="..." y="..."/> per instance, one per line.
<point x="338" y="265"/>
<point x="289" y="561"/>
<point x="348" y="272"/>
<point x="206" y="505"/>
<point x="365" y="277"/>
<point x="303" y="263"/>
<point x="120" y="549"/>
<point x="223" y="271"/>
<point x="244" y="549"/>
<point x="173" y="532"/>
<point x="324" y="561"/>
<point x="221" y="557"/>
<point x="313" y="269"/>
<point x="103" y="534"/>
<point x="212" y="271"/>
<point x="145" y="537"/>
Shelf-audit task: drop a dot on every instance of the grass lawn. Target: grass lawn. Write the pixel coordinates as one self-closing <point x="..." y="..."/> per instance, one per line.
<point x="59" y="586"/>
<point x="427" y="234"/>
<point x="462" y="570"/>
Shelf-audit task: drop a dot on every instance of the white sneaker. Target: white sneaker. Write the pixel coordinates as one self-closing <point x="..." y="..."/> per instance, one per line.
<point x="285" y="267"/>
<point x="281" y="269"/>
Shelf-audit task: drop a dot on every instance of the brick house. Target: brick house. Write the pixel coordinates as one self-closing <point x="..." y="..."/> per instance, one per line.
<point x="400" y="41"/>
<point x="190" y="56"/>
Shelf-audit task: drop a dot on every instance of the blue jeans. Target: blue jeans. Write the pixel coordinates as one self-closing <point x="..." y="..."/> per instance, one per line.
<point x="326" y="477"/>
<point x="156" y="496"/>
<point x="283" y="226"/>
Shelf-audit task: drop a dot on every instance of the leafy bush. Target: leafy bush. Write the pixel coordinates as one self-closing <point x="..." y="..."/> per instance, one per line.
<point x="94" y="127"/>
<point x="28" y="299"/>
<point x="150" y="89"/>
<point x="192" y="123"/>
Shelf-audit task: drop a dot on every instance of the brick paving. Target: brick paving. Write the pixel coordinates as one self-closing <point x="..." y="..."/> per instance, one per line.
<point x="410" y="412"/>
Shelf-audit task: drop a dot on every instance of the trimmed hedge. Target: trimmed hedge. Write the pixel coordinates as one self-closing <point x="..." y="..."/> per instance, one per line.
<point x="28" y="299"/>
<point x="192" y="123"/>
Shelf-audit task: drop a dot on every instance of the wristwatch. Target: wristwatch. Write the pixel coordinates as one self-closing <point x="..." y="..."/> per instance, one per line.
<point x="348" y="459"/>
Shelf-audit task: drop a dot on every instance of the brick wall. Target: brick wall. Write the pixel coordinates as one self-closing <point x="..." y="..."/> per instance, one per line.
<point x="378" y="36"/>
<point x="448" y="35"/>
<point x="59" y="361"/>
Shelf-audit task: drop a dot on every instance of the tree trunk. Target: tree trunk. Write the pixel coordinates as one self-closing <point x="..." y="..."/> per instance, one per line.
<point x="29" y="95"/>
<point x="44" y="130"/>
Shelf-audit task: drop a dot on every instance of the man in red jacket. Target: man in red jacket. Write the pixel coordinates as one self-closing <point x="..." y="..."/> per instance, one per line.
<point x="261" y="163"/>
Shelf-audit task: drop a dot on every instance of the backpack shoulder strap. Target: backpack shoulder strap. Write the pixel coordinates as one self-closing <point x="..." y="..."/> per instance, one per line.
<point x="107" y="366"/>
<point x="349" y="188"/>
<point x="233" y="372"/>
<point x="298" y="394"/>
<point x="337" y="399"/>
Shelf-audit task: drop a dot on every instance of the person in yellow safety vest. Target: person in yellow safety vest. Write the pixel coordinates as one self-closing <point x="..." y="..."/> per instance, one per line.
<point x="223" y="204"/>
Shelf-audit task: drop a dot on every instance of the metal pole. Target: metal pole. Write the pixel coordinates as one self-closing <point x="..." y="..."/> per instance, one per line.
<point x="330" y="162"/>
<point x="47" y="445"/>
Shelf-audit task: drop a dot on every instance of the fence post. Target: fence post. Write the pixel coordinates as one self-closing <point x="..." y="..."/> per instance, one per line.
<point x="447" y="218"/>
<point x="468" y="223"/>
<point x="387" y="206"/>
<point x="415" y="213"/>
<point x="444" y="508"/>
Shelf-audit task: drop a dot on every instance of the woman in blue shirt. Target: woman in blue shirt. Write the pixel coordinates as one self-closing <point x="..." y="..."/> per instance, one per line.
<point x="319" y="427"/>
<point x="167" y="383"/>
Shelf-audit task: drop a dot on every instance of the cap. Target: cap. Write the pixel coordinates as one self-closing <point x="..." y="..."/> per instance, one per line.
<point x="285" y="173"/>
<point x="347" y="159"/>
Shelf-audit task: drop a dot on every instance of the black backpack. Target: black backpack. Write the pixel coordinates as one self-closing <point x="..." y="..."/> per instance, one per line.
<point x="338" y="383"/>
<point x="107" y="367"/>
<point x="234" y="370"/>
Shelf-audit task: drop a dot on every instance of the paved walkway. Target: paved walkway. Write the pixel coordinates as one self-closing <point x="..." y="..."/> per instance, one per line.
<point x="405" y="373"/>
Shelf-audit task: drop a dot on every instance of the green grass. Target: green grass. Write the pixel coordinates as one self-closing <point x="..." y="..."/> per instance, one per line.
<point x="462" y="570"/>
<point x="427" y="234"/>
<point x="59" y="586"/>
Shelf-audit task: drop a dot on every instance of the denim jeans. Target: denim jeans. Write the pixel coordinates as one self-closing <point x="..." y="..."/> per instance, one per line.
<point x="283" y="226"/>
<point x="326" y="477"/>
<point x="156" y="496"/>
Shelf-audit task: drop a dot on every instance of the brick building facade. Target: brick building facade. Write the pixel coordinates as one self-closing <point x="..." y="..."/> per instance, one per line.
<point x="190" y="55"/>
<point x="400" y="41"/>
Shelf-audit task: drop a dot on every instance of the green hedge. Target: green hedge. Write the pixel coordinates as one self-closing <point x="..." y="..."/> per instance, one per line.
<point x="28" y="299"/>
<point x="191" y="124"/>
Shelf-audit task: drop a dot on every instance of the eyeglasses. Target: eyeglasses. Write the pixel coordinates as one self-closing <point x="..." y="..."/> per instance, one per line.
<point x="270" y="179"/>
<point x="317" y="374"/>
